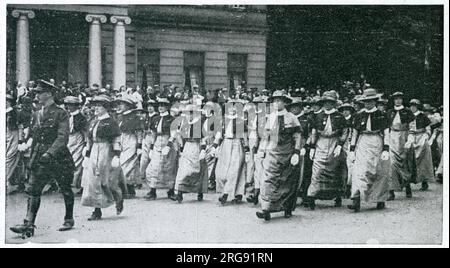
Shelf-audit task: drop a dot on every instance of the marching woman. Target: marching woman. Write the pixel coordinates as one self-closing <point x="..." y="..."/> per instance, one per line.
<point x="421" y="131"/>
<point x="400" y="119"/>
<point x="258" y="145"/>
<point x="146" y="142"/>
<point x="370" y="144"/>
<point x="347" y="111"/>
<point x="131" y="127"/>
<point x="231" y="168"/>
<point x="13" y="142"/>
<point x="328" y="135"/>
<point x="280" y="182"/>
<point x="77" y="138"/>
<point x="100" y="189"/>
<point x="162" y="170"/>
<point x="192" y="176"/>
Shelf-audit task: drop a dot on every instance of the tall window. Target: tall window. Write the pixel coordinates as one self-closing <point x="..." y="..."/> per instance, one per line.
<point x="148" y="67"/>
<point x="194" y="65"/>
<point x="237" y="70"/>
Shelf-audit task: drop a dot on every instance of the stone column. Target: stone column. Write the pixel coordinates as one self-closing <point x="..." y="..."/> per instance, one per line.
<point x="23" y="45"/>
<point x="119" y="51"/>
<point x="95" y="48"/>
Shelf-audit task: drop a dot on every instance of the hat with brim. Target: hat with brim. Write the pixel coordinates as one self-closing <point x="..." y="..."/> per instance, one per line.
<point x="329" y="96"/>
<point x="415" y="102"/>
<point x="260" y="99"/>
<point x="104" y="100"/>
<point x="281" y="95"/>
<point x="296" y="101"/>
<point x="397" y="94"/>
<point x="127" y="99"/>
<point x="44" y="86"/>
<point x="382" y="101"/>
<point x="347" y="106"/>
<point x="369" y="95"/>
<point x="72" y="100"/>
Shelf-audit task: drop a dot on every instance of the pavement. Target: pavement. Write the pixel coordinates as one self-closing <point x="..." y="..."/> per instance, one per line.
<point x="404" y="221"/>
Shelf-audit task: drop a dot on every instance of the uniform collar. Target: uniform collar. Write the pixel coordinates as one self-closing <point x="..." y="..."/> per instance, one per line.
<point x="348" y="117"/>
<point x="9" y="109"/>
<point x="319" y="111"/>
<point x="105" y="116"/>
<point x="75" y="112"/>
<point x="164" y="114"/>
<point x="329" y="111"/>
<point x="374" y="109"/>
<point x="152" y="114"/>
<point x="417" y="113"/>
<point x="398" y="108"/>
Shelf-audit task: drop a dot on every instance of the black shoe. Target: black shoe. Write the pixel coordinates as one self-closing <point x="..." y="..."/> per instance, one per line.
<point x="139" y="186"/>
<point x="212" y="186"/>
<point x="200" y="197"/>
<point x="439" y="179"/>
<point x="131" y="191"/>
<point x="312" y="204"/>
<point x="26" y="229"/>
<point x="171" y="194"/>
<point x="223" y="199"/>
<point x="424" y="186"/>
<point x="338" y="202"/>
<point x="356" y="206"/>
<point x="256" y="197"/>
<point x="151" y="195"/>
<point x="381" y="205"/>
<point x="287" y="214"/>
<point x="79" y="192"/>
<point x="263" y="215"/>
<point x="179" y="197"/>
<point x="67" y="225"/>
<point x="250" y="199"/>
<point x="391" y="196"/>
<point x="237" y="199"/>
<point x="119" y="207"/>
<point x="96" y="216"/>
<point x="408" y="192"/>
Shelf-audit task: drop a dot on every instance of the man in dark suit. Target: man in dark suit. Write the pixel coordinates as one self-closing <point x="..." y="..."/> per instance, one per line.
<point x="50" y="158"/>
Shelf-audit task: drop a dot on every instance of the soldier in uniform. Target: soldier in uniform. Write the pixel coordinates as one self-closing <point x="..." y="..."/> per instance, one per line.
<point x="50" y="158"/>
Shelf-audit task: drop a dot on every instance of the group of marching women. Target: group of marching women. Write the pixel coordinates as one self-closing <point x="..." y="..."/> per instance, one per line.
<point x="276" y="148"/>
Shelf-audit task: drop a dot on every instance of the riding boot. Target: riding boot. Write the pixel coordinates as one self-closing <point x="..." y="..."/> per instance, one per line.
<point x="34" y="203"/>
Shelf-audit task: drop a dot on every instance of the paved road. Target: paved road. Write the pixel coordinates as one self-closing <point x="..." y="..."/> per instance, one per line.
<point x="411" y="221"/>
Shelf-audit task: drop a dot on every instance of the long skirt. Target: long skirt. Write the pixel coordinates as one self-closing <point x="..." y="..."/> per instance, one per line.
<point x="401" y="162"/>
<point x="231" y="169"/>
<point x="145" y="156"/>
<point x="371" y="174"/>
<point x="162" y="170"/>
<point x="129" y="160"/>
<point x="12" y="156"/>
<point x="210" y="160"/>
<point x="424" y="171"/>
<point x="258" y="175"/>
<point x="192" y="176"/>
<point x="279" y="184"/>
<point x="326" y="179"/>
<point x="76" y="144"/>
<point x="101" y="187"/>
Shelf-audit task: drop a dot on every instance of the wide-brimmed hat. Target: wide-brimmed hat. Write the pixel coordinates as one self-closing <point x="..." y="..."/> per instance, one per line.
<point x="72" y="100"/>
<point x="45" y="86"/>
<point x="329" y="96"/>
<point x="127" y="99"/>
<point x="370" y="94"/>
<point x="103" y="99"/>
<point x="280" y="94"/>
<point x="316" y="100"/>
<point x="296" y="101"/>
<point x="415" y="102"/>
<point x="397" y="94"/>
<point x="346" y="106"/>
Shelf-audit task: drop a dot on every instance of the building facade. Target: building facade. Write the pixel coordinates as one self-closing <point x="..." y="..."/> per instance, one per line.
<point x="211" y="46"/>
